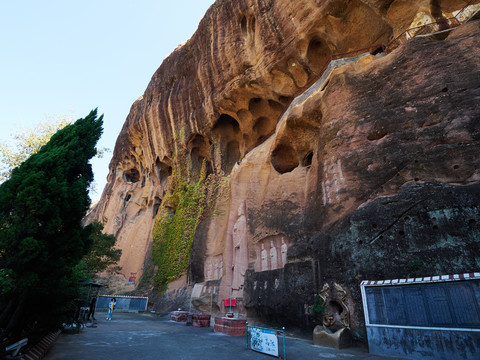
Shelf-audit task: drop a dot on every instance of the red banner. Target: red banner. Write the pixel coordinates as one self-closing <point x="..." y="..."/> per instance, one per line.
<point x="230" y="302"/>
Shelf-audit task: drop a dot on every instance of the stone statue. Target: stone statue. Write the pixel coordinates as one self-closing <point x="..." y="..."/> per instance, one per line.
<point x="342" y="299"/>
<point x="264" y="258"/>
<point x="284" y="252"/>
<point x="337" y="313"/>
<point x="239" y="238"/>
<point x="273" y="256"/>
<point x="209" y="271"/>
<point x="215" y="276"/>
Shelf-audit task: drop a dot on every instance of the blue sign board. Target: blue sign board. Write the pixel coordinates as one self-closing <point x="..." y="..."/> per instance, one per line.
<point x="424" y="318"/>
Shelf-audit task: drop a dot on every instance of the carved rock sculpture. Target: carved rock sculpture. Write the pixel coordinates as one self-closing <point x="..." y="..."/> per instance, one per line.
<point x="271" y="253"/>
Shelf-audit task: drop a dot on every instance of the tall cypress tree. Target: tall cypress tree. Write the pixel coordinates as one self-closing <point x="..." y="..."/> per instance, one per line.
<point x="41" y="236"/>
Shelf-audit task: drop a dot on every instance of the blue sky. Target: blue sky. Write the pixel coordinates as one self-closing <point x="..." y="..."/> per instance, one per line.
<point x="69" y="57"/>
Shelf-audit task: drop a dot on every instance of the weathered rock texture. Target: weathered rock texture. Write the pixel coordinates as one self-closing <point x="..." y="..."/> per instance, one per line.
<point x="373" y="175"/>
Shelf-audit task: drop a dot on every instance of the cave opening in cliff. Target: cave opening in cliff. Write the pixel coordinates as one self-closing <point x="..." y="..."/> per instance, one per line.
<point x="318" y="54"/>
<point x="199" y="153"/>
<point x="228" y="136"/>
<point x="163" y="171"/>
<point x="232" y="155"/>
<point x="156" y="206"/>
<point x="226" y="126"/>
<point x="284" y="158"/>
<point x="243" y="25"/>
<point x="262" y="128"/>
<point x="131" y="175"/>
<point x="255" y="105"/>
<point x="307" y="159"/>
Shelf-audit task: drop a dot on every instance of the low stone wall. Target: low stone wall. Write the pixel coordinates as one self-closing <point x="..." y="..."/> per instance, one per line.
<point x="201" y="320"/>
<point x="179" y="316"/>
<point x="230" y="326"/>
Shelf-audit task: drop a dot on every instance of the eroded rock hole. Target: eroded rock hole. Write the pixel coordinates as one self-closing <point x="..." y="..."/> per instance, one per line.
<point x="226" y="126"/>
<point x="378" y="50"/>
<point x="200" y="152"/>
<point x="163" y="171"/>
<point x="307" y="159"/>
<point x="262" y="129"/>
<point x="262" y="126"/>
<point x="318" y="54"/>
<point x="376" y="135"/>
<point x="197" y="162"/>
<point x="227" y="132"/>
<point x="255" y="105"/>
<point x="243" y="25"/>
<point x="284" y="158"/>
<point x="156" y="206"/>
<point x="131" y="175"/>
<point x="232" y="155"/>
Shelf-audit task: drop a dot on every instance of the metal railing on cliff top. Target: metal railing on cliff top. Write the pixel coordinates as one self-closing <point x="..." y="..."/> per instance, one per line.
<point x="446" y="24"/>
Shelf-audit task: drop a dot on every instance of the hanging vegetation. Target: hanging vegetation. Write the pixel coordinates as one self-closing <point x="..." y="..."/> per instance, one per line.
<point x="190" y="198"/>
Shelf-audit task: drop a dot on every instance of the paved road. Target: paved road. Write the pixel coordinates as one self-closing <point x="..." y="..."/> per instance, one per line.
<point x="145" y="337"/>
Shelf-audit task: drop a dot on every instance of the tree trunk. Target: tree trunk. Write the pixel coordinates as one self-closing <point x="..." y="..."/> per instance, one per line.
<point x="4" y="317"/>
<point x="15" y="323"/>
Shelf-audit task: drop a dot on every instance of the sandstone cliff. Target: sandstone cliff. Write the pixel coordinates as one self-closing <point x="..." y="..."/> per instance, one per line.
<point x="373" y="173"/>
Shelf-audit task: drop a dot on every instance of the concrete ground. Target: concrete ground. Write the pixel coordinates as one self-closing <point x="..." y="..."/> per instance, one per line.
<point x="145" y="336"/>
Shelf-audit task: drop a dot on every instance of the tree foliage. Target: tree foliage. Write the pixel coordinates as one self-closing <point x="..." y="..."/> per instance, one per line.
<point x="27" y="142"/>
<point x="102" y="253"/>
<point x="41" y="236"/>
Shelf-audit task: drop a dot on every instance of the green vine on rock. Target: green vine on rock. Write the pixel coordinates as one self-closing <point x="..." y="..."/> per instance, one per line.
<point x="189" y="199"/>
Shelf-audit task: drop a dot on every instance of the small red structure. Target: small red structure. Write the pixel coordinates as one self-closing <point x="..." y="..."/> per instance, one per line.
<point x="230" y="326"/>
<point x="201" y="320"/>
<point x="133" y="277"/>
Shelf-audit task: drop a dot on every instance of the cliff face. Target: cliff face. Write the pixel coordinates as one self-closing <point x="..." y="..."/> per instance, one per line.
<point x="372" y="173"/>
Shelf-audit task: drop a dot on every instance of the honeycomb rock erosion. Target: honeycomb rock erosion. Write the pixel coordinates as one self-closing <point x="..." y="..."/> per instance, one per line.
<point x="373" y="173"/>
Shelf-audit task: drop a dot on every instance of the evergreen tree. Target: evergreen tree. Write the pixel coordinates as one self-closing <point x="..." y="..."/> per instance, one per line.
<point x="102" y="253"/>
<point x="41" y="236"/>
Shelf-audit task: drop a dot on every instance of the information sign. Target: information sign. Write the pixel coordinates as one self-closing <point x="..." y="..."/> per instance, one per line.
<point x="264" y="341"/>
<point x="436" y="304"/>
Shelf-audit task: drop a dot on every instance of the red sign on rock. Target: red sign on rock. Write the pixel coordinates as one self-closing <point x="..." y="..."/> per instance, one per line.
<point x="230" y="302"/>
